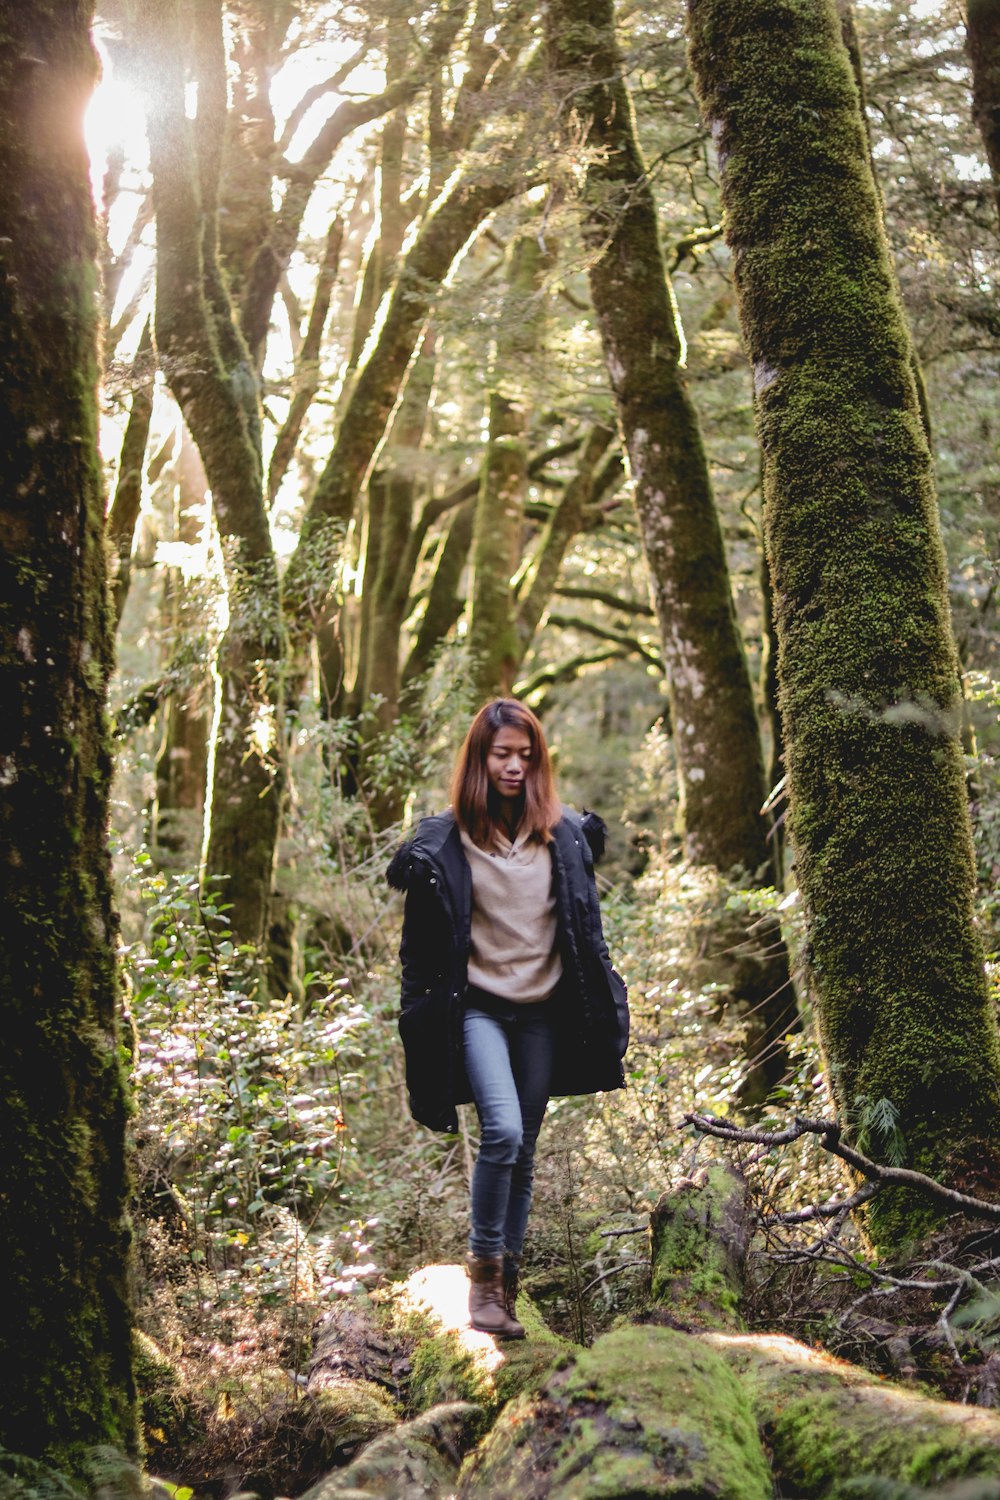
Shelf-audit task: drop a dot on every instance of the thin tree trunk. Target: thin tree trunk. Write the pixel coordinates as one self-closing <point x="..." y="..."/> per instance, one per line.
<point x="867" y="668"/>
<point x="124" y="511"/>
<point x="539" y="579"/>
<point x="182" y="764"/>
<point x="445" y="233"/>
<point x="498" y="536"/>
<point x="210" y="374"/>
<point x="982" y="19"/>
<point x="65" y="1333"/>
<point x="445" y="601"/>
<point x="716" y="736"/>
<point x="444" y="236"/>
<point x="306" y="379"/>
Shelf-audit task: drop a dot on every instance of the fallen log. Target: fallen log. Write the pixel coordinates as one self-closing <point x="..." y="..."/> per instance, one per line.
<point x="646" y="1412"/>
<point x="826" y="1422"/>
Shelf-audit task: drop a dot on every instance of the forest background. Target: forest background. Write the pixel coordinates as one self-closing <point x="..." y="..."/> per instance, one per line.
<point x="375" y="426"/>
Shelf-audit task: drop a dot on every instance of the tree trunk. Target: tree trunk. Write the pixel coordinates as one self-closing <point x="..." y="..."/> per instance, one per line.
<point x="124" y="511"/>
<point x="716" y="737"/>
<point x="867" y="669"/>
<point x="982" y="18"/>
<point x="539" y="577"/>
<point x="66" y="1330"/>
<point x="182" y="764"/>
<point x="444" y="599"/>
<point x="397" y="561"/>
<point x="443" y="237"/>
<point x="209" y="370"/>
<point x="497" y="536"/>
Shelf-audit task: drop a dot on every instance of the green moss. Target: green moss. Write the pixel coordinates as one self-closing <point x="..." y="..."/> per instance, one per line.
<point x="646" y="1412"/>
<point x="827" y="1422"/>
<point x="169" y="1420"/>
<point x="867" y="667"/>
<point x="698" y="1248"/>
<point x="446" y="1368"/>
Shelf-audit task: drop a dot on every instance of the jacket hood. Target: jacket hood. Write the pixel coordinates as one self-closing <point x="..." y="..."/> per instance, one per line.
<point x="425" y="843"/>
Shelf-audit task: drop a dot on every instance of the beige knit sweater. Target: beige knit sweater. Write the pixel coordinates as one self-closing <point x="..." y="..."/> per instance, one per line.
<point x="513" y="952"/>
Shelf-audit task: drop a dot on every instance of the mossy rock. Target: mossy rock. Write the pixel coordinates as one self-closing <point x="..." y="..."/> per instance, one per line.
<point x="418" y="1461"/>
<point x="646" y="1412"/>
<point x="830" y="1424"/>
<point x="450" y="1361"/>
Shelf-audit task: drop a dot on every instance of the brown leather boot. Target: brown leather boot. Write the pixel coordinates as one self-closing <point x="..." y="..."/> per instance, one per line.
<point x="487" y="1308"/>
<point x="511" y="1284"/>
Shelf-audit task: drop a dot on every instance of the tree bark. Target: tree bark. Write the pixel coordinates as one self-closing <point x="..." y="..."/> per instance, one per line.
<point x="716" y="737"/>
<point x="867" y="669"/>
<point x="497" y="535"/>
<point x="66" y="1330"/>
<point x="982" y="20"/>
<point x="210" y="373"/>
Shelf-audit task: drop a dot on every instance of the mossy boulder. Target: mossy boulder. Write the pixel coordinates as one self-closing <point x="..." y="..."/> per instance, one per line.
<point x="646" y="1412"/>
<point x="417" y="1461"/>
<point x="828" y="1424"/>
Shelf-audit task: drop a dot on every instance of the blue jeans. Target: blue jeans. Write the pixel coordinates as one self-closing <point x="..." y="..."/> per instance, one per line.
<point x="508" y="1057"/>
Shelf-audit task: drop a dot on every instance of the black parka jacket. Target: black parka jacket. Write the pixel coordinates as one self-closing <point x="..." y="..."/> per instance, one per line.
<point x="592" y="1004"/>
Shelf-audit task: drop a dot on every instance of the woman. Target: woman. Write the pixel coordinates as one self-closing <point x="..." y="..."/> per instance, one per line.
<point x="508" y="994"/>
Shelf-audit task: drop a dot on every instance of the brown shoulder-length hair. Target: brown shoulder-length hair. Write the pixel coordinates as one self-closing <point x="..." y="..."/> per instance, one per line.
<point x="475" y="804"/>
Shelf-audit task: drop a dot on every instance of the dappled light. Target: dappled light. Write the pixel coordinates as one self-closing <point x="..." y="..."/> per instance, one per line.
<point x="499" y="784"/>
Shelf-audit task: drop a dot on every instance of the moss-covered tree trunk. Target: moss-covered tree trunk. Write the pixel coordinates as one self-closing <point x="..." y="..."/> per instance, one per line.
<point x="982" y="19"/>
<point x="208" y="367"/>
<point x="66" y="1327"/>
<point x="497" y="535"/>
<point x="716" y="736"/>
<point x="867" y="670"/>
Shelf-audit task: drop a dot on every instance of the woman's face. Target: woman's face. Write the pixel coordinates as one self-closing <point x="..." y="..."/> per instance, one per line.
<point x="509" y="761"/>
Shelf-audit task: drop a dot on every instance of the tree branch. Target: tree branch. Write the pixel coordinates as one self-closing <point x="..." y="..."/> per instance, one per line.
<point x="605" y="633"/>
<point x="604" y="596"/>
<point x="830" y="1138"/>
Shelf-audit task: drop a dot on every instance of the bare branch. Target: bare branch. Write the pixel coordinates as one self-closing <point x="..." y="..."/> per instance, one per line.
<point x="830" y="1138"/>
